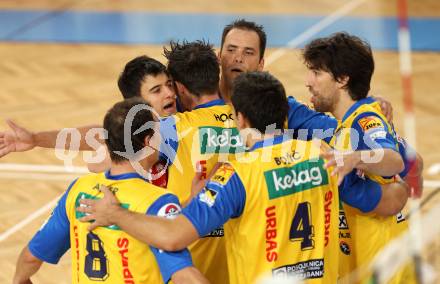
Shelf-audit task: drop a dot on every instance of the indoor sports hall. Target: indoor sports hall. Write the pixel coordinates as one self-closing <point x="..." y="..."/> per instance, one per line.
<point x="60" y="60"/>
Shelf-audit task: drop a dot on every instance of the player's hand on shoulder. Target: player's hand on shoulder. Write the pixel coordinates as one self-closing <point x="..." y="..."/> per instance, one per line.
<point x="386" y="107"/>
<point x="16" y="139"/>
<point x="99" y="211"/>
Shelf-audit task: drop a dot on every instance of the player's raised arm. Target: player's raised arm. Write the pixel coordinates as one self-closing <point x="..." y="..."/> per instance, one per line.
<point x="20" y="139"/>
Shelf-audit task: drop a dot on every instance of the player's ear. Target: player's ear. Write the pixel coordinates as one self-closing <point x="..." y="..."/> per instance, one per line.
<point x="241" y="121"/>
<point x="147" y="141"/>
<point x="181" y="89"/>
<point x="219" y="56"/>
<point x="342" y="81"/>
<point x="261" y="65"/>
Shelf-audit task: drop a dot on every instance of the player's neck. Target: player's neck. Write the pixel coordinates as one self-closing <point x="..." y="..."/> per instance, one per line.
<point x="126" y="167"/>
<point x="343" y="105"/>
<point x="225" y="90"/>
<point x="205" y="98"/>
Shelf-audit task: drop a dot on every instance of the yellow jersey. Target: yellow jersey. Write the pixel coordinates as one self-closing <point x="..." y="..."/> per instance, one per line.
<point x="201" y="138"/>
<point x="363" y="235"/>
<point x="282" y="207"/>
<point x="108" y="254"/>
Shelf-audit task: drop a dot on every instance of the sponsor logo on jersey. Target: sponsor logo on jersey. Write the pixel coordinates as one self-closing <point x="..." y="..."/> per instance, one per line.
<point x="223" y="117"/>
<point x="271" y="234"/>
<point x="223" y="174"/>
<point x="217" y="233"/>
<point x="309" y="269"/>
<point x="123" y="245"/>
<point x="170" y="210"/>
<point x="343" y="224"/>
<point x="327" y="216"/>
<point x="76" y="238"/>
<point x="220" y="140"/>
<point x="345" y="248"/>
<point x="208" y="196"/>
<point x="370" y="122"/>
<point x="400" y="217"/>
<point x="302" y="176"/>
<point x="376" y="133"/>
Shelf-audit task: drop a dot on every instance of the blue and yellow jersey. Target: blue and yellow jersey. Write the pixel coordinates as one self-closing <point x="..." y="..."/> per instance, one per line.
<point x="108" y="254"/>
<point x="200" y="138"/>
<point x="307" y="124"/>
<point x="363" y="127"/>
<point x="282" y="207"/>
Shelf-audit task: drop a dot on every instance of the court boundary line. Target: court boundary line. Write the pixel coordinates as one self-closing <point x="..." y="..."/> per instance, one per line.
<point x="313" y="30"/>
<point x="38" y="176"/>
<point x="14" y="167"/>
<point x="33" y="23"/>
<point x="23" y="223"/>
<point x="434" y="169"/>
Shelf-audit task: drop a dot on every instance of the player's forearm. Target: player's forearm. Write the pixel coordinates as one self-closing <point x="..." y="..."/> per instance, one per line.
<point x="382" y="162"/>
<point x="394" y="198"/>
<point x="48" y="139"/>
<point x="162" y="233"/>
<point x="27" y="265"/>
<point x="416" y="173"/>
<point x="189" y="275"/>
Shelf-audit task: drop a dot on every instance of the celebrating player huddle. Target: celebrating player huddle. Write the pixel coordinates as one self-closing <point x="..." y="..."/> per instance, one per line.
<point x="268" y="186"/>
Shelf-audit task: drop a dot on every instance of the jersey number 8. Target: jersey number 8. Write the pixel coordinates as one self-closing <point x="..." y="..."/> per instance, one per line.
<point x="96" y="263"/>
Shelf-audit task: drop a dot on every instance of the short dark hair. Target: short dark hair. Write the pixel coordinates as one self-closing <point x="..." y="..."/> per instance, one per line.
<point x="134" y="73"/>
<point x="242" y="24"/>
<point x="195" y="65"/>
<point x="114" y="124"/>
<point x="261" y="98"/>
<point x="341" y="55"/>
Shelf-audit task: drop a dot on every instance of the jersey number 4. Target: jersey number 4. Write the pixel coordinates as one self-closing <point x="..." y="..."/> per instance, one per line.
<point x="301" y="228"/>
<point x="96" y="264"/>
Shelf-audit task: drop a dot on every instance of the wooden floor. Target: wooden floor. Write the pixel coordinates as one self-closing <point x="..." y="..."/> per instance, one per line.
<point x="49" y="86"/>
